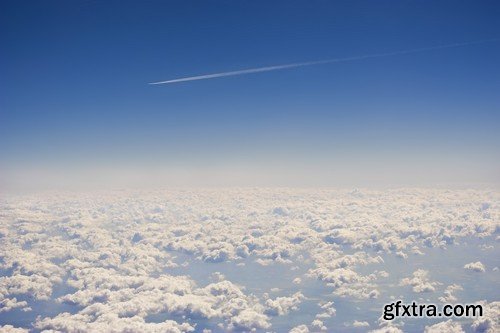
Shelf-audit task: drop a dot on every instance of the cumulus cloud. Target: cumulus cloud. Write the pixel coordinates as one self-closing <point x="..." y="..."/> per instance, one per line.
<point x="387" y="329"/>
<point x="490" y="321"/>
<point x="328" y="310"/>
<point x="448" y="326"/>
<point x="475" y="266"/>
<point x="318" y="325"/>
<point x="123" y="256"/>
<point x="449" y="293"/>
<point x="108" y="323"/>
<point x="8" y="304"/>
<point x="282" y="305"/>
<point x="357" y="323"/>
<point x="300" y="329"/>
<point x="420" y="282"/>
<point x="12" y="329"/>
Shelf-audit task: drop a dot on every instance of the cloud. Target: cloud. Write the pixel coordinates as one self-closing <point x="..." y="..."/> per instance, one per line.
<point x="318" y="325"/>
<point x="387" y="329"/>
<point x="12" y="329"/>
<point x="490" y="321"/>
<point x="448" y="326"/>
<point x="300" y="329"/>
<point x="357" y="323"/>
<point x="123" y="256"/>
<point x="328" y="310"/>
<point x="449" y="293"/>
<point x="109" y="323"/>
<point x="475" y="266"/>
<point x="8" y="304"/>
<point x="420" y="282"/>
<point x="282" y="305"/>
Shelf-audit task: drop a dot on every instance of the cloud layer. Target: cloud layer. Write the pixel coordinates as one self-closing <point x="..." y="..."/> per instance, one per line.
<point x="121" y="258"/>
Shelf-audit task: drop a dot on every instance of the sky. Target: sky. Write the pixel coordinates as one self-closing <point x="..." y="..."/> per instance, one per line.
<point x="76" y="104"/>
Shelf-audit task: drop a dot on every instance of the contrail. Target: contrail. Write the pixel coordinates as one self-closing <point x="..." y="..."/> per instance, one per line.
<point x="319" y="62"/>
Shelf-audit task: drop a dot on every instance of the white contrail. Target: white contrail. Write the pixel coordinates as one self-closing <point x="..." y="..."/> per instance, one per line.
<point x="318" y="62"/>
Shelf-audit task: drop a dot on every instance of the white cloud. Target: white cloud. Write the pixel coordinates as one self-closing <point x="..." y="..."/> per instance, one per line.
<point x="12" y="329"/>
<point x="300" y="329"/>
<point x="387" y="329"/>
<point x="282" y="305"/>
<point x="475" y="266"/>
<point x="449" y="293"/>
<point x="448" y="326"/>
<point x="420" y="282"/>
<point x="7" y="304"/>
<point x="123" y="256"/>
<point x="490" y="321"/>
<point x="318" y="325"/>
<point x="357" y="323"/>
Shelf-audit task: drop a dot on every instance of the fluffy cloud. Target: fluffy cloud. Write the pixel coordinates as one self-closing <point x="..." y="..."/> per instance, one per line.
<point x="12" y="329"/>
<point x="108" y="323"/>
<point x="122" y="256"/>
<point x="475" y="266"/>
<point x="387" y="329"/>
<point x="449" y="293"/>
<point x="490" y="321"/>
<point x="448" y="326"/>
<point x="300" y="329"/>
<point x="318" y="325"/>
<point x="7" y="304"/>
<point x="420" y="282"/>
<point x="328" y="310"/>
<point x="357" y="323"/>
<point x="282" y="305"/>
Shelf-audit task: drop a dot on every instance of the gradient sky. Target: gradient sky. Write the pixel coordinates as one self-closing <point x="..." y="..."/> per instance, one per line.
<point x="75" y="99"/>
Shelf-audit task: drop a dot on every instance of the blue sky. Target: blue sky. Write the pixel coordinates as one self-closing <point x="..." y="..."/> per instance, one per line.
<point x="74" y="91"/>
